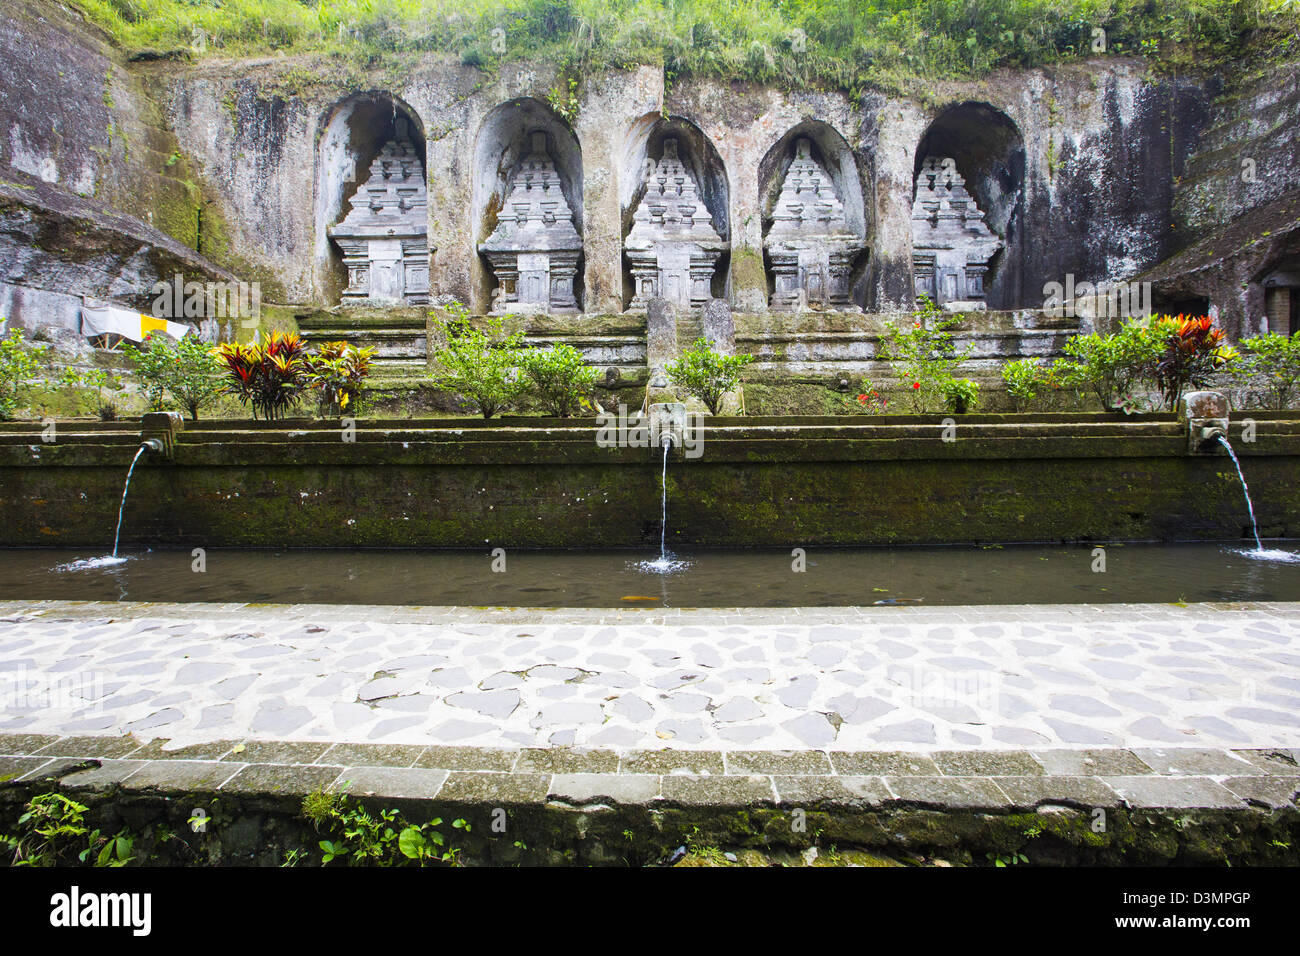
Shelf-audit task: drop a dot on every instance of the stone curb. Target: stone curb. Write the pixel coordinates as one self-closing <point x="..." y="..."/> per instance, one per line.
<point x="1177" y="778"/>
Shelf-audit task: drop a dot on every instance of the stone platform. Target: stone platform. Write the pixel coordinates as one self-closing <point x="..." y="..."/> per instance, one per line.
<point x="615" y="735"/>
<point x="873" y="678"/>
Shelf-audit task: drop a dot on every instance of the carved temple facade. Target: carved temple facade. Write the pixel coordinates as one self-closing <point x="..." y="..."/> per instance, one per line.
<point x="951" y="243"/>
<point x="535" y="247"/>
<point x="384" y="234"/>
<point x="809" y="246"/>
<point x="673" y="247"/>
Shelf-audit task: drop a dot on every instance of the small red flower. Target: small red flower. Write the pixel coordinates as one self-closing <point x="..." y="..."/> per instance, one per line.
<point x="862" y="399"/>
<point x="916" y="385"/>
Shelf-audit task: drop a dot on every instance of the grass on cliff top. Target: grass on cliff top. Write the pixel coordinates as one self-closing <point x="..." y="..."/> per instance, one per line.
<point x="837" y="44"/>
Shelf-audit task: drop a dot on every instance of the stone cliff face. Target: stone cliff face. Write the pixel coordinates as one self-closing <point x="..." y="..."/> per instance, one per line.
<point x="96" y="197"/>
<point x="1097" y="170"/>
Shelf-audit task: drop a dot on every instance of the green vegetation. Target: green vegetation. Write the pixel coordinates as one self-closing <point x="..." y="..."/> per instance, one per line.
<point x="826" y="43"/>
<point x="926" y="359"/>
<point x="1163" y="353"/>
<point x="52" y="832"/>
<point x="706" y="374"/>
<point x="480" y="365"/>
<point x="20" y="360"/>
<point x="266" y="375"/>
<point x="560" y="376"/>
<point x="182" y="372"/>
<point x="360" y="837"/>
<point x="337" y="372"/>
<point x="1273" y="360"/>
<point x="1110" y="366"/>
<point x="1022" y="379"/>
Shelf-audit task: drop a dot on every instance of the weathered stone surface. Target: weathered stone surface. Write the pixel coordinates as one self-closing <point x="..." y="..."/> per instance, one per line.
<point x="589" y="788"/>
<point x="812" y="792"/>
<point x="396" y="782"/>
<point x="673" y="246"/>
<point x="1035" y="791"/>
<point x="951" y="244"/>
<point x="1156" y="792"/>
<point x="535" y="248"/>
<point x="778" y="762"/>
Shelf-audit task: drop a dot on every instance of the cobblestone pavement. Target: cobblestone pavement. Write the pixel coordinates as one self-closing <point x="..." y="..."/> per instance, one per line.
<point x="1015" y="678"/>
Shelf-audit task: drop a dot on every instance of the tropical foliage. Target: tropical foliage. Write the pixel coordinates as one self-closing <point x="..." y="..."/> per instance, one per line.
<point x="481" y="365"/>
<point x="560" y="376"/>
<point x="266" y="375"/>
<point x="181" y="372"/>
<point x="1273" y="360"/>
<point x="926" y="358"/>
<point x="19" y="362"/>
<point x="337" y="372"/>
<point x="706" y="374"/>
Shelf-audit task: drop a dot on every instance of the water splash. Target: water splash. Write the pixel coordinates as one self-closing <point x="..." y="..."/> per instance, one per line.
<point x="90" y="564"/>
<point x="665" y="563"/>
<point x="126" y="488"/>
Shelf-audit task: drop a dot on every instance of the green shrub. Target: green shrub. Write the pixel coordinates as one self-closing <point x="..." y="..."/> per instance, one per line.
<point x="925" y="357"/>
<point x="1273" y="359"/>
<point x="961" y="395"/>
<point x="1110" y="366"/>
<point x="337" y="372"/>
<point x="20" y="360"/>
<point x="706" y="374"/>
<point x="183" y="372"/>
<point x="1023" y="378"/>
<point x="480" y="365"/>
<point x="560" y="376"/>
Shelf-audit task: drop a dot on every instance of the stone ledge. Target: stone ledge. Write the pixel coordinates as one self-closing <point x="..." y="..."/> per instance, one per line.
<point x="606" y="807"/>
<point x="1191" y="778"/>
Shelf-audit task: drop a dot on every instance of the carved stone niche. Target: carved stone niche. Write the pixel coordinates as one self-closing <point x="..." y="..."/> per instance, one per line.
<point x="810" y="246"/>
<point x="384" y="236"/>
<point x="535" y="247"/>
<point x="672" y="246"/>
<point x="951" y="244"/>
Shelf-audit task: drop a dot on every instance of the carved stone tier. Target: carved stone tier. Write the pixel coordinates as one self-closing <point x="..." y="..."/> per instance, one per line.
<point x="810" y="246"/>
<point x="535" y="247"/>
<point x="673" y="247"/>
<point x="384" y="234"/>
<point x="951" y="243"/>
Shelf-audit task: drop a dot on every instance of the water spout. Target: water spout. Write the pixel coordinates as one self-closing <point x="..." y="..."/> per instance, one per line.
<point x="153" y="445"/>
<point x="663" y="503"/>
<point x="1250" y="507"/>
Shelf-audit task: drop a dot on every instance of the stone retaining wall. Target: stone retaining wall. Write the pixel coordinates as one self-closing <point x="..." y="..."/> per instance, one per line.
<point x="557" y="805"/>
<point x="550" y="483"/>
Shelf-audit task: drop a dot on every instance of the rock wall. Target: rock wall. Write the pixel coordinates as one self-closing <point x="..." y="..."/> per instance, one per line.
<point x="95" y="196"/>
<point x="1086" y="187"/>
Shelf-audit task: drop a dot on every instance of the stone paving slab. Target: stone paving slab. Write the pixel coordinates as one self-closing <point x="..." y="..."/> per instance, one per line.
<point x="729" y="680"/>
<point x="981" y="780"/>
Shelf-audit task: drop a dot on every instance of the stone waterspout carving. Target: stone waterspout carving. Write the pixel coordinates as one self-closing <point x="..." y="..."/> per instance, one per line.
<point x="951" y="244"/>
<point x="534" y="249"/>
<point x="384" y="235"/>
<point x="809" y="245"/>
<point x="673" y="247"/>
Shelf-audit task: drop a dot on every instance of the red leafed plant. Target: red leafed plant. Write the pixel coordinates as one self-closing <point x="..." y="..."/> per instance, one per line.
<point x="1193" y="351"/>
<point x="266" y="375"/>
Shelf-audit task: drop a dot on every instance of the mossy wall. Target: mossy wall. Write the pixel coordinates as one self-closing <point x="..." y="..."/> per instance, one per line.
<point x="469" y="485"/>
